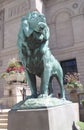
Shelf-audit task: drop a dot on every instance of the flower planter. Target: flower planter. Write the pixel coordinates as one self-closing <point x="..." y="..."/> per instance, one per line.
<point x="14" y="76"/>
<point x="14" y="72"/>
<point x="73" y="85"/>
<point x="74" y="95"/>
<point x="17" y="77"/>
<point x="11" y="78"/>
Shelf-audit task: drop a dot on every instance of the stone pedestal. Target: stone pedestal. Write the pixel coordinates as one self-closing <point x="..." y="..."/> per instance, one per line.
<point x="55" y="118"/>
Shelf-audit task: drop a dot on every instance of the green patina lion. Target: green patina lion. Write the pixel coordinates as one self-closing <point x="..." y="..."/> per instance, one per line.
<point x="33" y="39"/>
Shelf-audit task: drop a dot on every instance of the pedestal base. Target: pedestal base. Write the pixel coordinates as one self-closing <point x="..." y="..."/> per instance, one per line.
<point x="55" y="118"/>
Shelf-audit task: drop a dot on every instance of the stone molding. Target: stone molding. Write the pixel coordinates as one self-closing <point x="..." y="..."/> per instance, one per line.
<point x="58" y="27"/>
<point x="14" y="9"/>
<point x="57" y="1"/>
<point x="57" y="12"/>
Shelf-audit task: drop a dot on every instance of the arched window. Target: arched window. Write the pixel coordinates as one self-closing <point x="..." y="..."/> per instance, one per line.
<point x="64" y="31"/>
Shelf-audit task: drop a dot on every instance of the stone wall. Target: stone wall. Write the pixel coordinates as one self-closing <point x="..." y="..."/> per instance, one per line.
<point x="11" y="13"/>
<point x="66" y="22"/>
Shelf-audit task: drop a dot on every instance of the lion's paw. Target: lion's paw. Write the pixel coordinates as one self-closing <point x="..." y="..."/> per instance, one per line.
<point x="63" y="98"/>
<point x="31" y="96"/>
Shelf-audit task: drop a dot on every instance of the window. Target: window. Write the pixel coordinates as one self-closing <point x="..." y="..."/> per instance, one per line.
<point x="69" y="66"/>
<point x="64" y="31"/>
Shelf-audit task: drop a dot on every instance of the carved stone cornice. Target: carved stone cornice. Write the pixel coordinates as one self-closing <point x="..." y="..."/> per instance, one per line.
<point x="49" y="3"/>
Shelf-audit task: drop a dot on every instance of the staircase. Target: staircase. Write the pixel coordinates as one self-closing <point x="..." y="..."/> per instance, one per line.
<point x="3" y="119"/>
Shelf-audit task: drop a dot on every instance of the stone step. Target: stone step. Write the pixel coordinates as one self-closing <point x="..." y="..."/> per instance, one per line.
<point x="4" y="110"/>
<point x="3" y="125"/>
<point x="3" y="120"/>
<point x="3" y="113"/>
<point x="3" y="116"/>
<point x="3" y="129"/>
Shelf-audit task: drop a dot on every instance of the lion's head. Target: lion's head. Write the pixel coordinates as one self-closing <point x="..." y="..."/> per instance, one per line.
<point x="35" y="19"/>
<point x="37" y="23"/>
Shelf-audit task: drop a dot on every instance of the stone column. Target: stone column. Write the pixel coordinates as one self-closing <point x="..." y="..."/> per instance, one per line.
<point x="37" y="5"/>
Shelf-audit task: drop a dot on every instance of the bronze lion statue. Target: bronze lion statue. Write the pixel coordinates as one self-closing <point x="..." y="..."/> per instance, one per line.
<point x="33" y="40"/>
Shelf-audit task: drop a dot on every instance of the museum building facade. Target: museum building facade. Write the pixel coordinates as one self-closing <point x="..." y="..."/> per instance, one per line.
<point x="65" y="19"/>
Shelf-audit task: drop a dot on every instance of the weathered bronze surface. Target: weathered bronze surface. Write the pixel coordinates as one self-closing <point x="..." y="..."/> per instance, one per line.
<point x="33" y="40"/>
<point x="35" y="54"/>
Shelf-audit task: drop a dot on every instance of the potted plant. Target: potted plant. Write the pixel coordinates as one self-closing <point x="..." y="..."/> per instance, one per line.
<point x="15" y="78"/>
<point x="14" y="72"/>
<point x="73" y="84"/>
